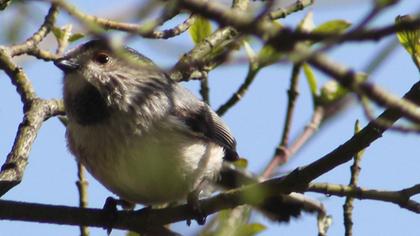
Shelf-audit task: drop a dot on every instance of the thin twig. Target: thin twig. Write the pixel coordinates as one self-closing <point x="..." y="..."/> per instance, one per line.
<point x="345" y="152"/>
<point x="292" y="97"/>
<point x="39" y="35"/>
<point x="146" y="31"/>
<point x="18" y="78"/>
<point x="250" y="77"/>
<point x="281" y="152"/>
<point x="384" y="123"/>
<point x="292" y="8"/>
<point x="204" y="88"/>
<point x="82" y="185"/>
<point x="285" y="39"/>
<point x="401" y="197"/>
<point x="349" y="79"/>
<point x="358" y="28"/>
<point x="288" y="37"/>
<point x="348" y="205"/>
<point x="316" y="120"/>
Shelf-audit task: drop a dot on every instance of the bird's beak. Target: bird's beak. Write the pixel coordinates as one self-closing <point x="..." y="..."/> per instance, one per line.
<point x="67" y="64"/>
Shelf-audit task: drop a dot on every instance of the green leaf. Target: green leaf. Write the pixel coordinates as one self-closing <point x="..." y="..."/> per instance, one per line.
<point x="357" y="127"/>
<point x="334" y="26"/>
<point x="241" y="163"/>
<point x="58" y="33"/>
<point x="250" y="229"/>
<point x="269" y="55"/>
<point x="76" y="36"/>
<point x="313" y="83"/>
<point x="385" y="3"/>
<point x="409" y="39"/>
<point x="200" y="29"/>
<point x="131" y="233"/>
<point x="332" y="91"/>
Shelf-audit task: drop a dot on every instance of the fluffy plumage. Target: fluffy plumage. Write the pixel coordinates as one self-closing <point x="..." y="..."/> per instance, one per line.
<point x="144" y="137"/>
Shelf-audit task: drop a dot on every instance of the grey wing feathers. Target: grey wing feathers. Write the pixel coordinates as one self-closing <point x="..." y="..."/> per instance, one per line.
<point x="221" y="131"/>
<point x="202" y="120"/>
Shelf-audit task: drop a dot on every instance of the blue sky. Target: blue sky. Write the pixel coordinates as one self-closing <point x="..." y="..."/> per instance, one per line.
<point x="256" y="121"/>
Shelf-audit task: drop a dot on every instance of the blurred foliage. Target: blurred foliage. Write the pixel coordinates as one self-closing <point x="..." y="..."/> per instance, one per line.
<point x="200" y="29"/>
<point x="409" y="39"/>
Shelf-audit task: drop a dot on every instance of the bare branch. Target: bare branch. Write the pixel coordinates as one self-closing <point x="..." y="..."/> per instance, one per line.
<point x="345" y="152"/>
<point x="18" y="78"/>
<point x="401" y="198"/>
<point x="281" y="153"/>
<point x="143" y="30"/>
<point x="284" y="153"/>
<point x="13" y="169"/>
<point x="38" y="36"/>
<point x="349" y="79"/>
<point x="82" y="185"/>
<point x="142" y="220"/>
<point x="236" y="96"/>
<point x="294" y="7"/>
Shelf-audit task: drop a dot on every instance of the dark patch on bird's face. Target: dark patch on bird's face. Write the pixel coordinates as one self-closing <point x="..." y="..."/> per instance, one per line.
<point x="87" y="106"/>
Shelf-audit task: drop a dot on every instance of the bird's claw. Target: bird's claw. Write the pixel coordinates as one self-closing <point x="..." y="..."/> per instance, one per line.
<point x="194" y="204"/>
<point x="110" y="213"/>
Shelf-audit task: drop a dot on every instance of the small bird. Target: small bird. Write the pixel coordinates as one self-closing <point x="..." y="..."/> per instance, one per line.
<point x="143" y="136"/>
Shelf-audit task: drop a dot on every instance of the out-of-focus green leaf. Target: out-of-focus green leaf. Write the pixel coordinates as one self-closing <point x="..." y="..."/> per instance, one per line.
<point x="241" y="163"/>
<point x="385" y="3"/>
<point x="269" y="55"/>
<point x="409" y="39"/>
<point x="58" y="33"/>
<point x="312" y="82"/>
<point x="76" y="36"/>
<point x="332" y="91"/>
<point x="357" y="127"/>
<point x="200" y="29"/>
<point x="250" y="229"/>
<point x="131" y="233"/>
<point x="230" y="222"/>
<point x="334" y="26"/>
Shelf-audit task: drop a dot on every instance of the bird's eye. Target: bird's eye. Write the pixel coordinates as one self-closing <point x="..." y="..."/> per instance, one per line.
<point x="101" y="58"/>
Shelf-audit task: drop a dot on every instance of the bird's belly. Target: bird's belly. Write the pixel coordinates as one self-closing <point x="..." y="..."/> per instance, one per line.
<point x="154" y="169"/>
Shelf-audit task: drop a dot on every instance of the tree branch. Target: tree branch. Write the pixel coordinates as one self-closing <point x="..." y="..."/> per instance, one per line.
<point x="38" y="36"/>
<point x="146" y="30"/>
<point x="13" y="169"/>
<point x="142" y="220"/>
<point x="345" y="152"/>
<point x="236" y="96"/>
<point x="401" y="197"/>
<point x="294" y="7"/>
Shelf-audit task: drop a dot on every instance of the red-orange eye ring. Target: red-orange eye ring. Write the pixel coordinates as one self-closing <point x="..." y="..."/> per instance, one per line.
<point x="101" y="58"/>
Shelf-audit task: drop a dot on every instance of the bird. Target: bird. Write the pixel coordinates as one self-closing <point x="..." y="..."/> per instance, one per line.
<point x="143" y="136"/>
